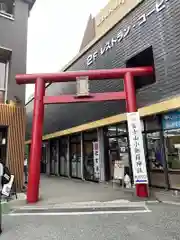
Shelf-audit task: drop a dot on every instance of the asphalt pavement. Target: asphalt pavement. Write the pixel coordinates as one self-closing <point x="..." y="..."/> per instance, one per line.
<point x="161" y="222"/>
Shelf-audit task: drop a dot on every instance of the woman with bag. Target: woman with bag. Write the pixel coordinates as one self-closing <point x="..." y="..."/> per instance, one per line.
<point x="1" y="186"/>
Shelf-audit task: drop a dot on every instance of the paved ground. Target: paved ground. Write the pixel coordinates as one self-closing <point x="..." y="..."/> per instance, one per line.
<point x="71" y="190"/>
<point x="56" y="190"/>
<point x="160" y="224"/>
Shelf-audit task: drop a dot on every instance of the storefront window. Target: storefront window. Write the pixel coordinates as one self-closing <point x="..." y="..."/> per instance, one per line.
<point x="172" y="143"/>
<point x="75" y="138"/>
<point x="116" y="130"/>
<point x="152" y="123"/>
<point x="171" y="127"/>
<point x="155" y="151"/>
<point x="111" y="131"/>
<point x="90" y="136"/>
<point x="122" y="129"/>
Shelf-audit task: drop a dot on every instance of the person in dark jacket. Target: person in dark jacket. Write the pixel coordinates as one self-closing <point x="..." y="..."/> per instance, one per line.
<point x="1" y="186"/>
<point x="25" y="170"/>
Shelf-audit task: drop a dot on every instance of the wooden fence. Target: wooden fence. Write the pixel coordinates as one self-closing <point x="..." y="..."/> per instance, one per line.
<point x="14" y="117"/>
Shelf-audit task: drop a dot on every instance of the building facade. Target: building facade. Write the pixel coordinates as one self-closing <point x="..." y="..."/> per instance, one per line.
<point x="125" y="34"/>
<point x="13" y="47"/>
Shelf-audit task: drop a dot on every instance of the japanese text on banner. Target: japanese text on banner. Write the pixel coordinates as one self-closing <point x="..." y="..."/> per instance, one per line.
<point x="137" y="148"/>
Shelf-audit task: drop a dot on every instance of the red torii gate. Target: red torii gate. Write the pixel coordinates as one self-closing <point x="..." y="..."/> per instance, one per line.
<point x="40" y="100"/>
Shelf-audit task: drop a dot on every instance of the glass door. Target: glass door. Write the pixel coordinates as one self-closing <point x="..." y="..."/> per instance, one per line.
<point x="53" y="157"/>
<point x="91" y="162"/>
<point x="63" y="155"/>
<point x="75" y="156"/>
<point x="75" y="160"/>
<point x="88" y="161"/>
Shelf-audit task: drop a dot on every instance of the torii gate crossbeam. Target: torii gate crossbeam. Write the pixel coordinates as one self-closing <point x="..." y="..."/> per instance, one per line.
<point x="129" y="95"/>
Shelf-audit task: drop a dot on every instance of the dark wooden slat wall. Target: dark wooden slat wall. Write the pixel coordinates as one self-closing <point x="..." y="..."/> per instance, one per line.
<point x="14" y="117"/>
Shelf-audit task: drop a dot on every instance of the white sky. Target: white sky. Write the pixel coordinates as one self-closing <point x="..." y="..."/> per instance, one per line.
<point x="56" y="28"/>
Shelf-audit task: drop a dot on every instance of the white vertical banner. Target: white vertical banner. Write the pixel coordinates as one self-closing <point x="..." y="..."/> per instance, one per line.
<point x="96" y="160"/>
<point x="137" y="148"/>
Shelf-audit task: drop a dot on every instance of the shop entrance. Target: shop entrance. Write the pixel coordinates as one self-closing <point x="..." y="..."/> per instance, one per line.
<point x="118" y="149"/>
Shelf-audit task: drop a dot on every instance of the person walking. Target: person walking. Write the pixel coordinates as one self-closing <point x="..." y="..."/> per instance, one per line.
<point x="1" y="186"/>
<point x="25" y="170"/>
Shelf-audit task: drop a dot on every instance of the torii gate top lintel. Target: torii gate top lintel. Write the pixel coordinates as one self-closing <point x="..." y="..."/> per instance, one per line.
<point x="91" y="74"/>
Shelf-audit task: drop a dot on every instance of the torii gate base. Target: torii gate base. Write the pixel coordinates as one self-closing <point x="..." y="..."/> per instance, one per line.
<point x="40" y="99"/>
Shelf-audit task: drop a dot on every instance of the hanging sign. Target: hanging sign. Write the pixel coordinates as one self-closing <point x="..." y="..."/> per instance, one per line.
<point x="82" y="86"/>
<point x="96" y="160"/>
<point x="137" y="148"/>
<point x="171" y="120"/>
<point x="123" y="33"/>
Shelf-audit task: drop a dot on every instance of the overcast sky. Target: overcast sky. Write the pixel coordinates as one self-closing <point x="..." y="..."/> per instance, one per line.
<point x="56" y="28"/>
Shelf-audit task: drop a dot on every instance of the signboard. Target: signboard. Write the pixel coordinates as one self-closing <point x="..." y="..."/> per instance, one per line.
<point x="137" y="148"/>
<point x="123" y="33"/>
<point x="171" y="120"/>
<point x="82" y="86"/>
<point x="118" y="170"/>
<point x="114" y="5"/>
<point x="96" y="160"/>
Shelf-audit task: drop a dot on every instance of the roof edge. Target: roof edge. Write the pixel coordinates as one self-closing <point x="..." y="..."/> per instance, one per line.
<point x="155" y="108"/>
<point x="30" y="3"/>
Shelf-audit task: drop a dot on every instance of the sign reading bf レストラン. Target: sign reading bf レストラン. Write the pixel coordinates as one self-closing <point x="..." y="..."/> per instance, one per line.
<point x="137" y="148"/>
<point x="121" y="34"/>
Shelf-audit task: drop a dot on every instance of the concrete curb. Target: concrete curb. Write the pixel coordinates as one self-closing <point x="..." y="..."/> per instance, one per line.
<point x="152" y="201"/>
<point x="91" y="204"/>
<point x="170" y="203"/>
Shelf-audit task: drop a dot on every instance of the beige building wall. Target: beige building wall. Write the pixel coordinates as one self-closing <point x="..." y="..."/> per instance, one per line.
<point x="109" y="16"/>
<point x="112" y="13"/>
